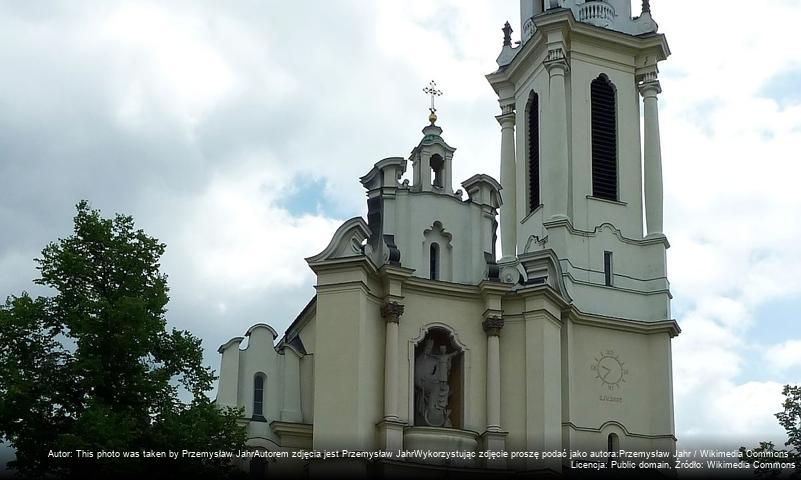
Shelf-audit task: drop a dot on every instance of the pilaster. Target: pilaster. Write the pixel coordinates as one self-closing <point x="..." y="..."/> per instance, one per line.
<point x="290" y="411"/>
<point x="390" y="428"/>
<point x="494" y="438"/>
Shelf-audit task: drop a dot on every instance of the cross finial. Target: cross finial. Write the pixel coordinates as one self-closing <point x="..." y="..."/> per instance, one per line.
<point x="433" y="92"/>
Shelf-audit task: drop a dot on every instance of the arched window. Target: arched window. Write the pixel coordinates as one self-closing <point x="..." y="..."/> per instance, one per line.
<point x="533" y="119"/>
<point x="613" y="447"/>
<point x="434" y="261"/>
<point x="437" y="164"/>
<point x="258" y="396"/>
<point x="604" y="138"/>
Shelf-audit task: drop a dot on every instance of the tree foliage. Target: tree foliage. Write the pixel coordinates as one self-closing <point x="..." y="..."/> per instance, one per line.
<point x="790" y="419"/>
<point x="94" y="368"/>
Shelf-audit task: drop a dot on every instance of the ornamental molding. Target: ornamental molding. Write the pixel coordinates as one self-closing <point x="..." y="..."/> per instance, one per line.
<point x="556" y="59"/>
<point x="506" y="120"/>
<point x="650" y="88"/>
<point x="493" y="325"/>
<point x="392" y="311"/>
<point x="345" y="243"/>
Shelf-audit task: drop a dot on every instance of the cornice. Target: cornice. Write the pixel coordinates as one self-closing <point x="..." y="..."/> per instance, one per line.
<point x="542" y="289"/>
<point x="667" y="436"/>
<point x="234" y="341"/>
<point x="670" y="326"/>
<point x="563" y="19"/>
<point x="615" y="231"/>
<point x="264" y="326"/>
<point x="424" y="285"/>
<point x="346" y="263"/>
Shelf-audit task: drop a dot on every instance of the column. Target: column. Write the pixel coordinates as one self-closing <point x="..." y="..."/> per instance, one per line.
<point x="555" y="164"/>
<point x="652" y="165"/>
<point x="508" y="182"/>
<point x="492" y="326"/>
<point x="391" y="311"/>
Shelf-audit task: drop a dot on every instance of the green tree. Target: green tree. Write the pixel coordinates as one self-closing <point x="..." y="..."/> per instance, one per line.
<point x="94" y="368"/>
<point x="790" y="419"/>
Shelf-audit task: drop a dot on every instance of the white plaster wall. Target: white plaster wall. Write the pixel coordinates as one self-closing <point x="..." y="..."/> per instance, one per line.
<point x="416" y="212"/>
<point x="645" y="408"/>
<point x="348" y="366"/>
<point x="307" y="388"/>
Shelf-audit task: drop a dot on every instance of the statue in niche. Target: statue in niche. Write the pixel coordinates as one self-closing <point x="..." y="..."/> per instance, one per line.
<point x="432" y="388"/>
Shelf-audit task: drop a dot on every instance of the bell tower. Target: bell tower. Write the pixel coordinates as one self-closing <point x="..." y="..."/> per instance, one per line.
<point x="577" y="176"/>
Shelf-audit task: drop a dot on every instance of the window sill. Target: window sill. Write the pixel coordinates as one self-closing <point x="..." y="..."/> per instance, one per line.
<point x="613" y="202"/>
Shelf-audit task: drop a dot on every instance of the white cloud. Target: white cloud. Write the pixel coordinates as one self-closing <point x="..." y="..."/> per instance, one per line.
<point x="785" y="355"/>
<point x="734" y="415"/>
<point x="731" y="170"/>
<point x="163" y="57"/>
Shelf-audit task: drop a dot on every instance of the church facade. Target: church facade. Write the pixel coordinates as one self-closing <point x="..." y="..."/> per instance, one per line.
<point x="422" y="336"/>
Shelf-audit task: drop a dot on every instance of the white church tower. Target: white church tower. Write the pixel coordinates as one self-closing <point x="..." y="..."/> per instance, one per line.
<point x="571" y="165"/>
<point x="577" y="180"/>
<point x="420" y="339"/>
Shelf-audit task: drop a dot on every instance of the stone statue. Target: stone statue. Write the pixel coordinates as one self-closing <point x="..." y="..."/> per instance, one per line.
<point x="432" y="391"/>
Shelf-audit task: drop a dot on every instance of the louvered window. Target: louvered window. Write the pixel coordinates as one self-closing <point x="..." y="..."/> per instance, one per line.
<point x="604" y="139"/>
<point x="533" y="119"/>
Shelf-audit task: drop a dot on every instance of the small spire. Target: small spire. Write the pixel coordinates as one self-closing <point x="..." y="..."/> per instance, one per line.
<point x="433" y="92"/>
<point x="646" y="6"/>
<point x="507" y="35"/>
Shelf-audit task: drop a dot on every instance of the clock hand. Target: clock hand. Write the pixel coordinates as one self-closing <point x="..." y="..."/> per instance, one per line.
<point x="608" y="371"/>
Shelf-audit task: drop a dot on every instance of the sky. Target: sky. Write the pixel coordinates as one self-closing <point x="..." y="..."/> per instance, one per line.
<point x="235" y="132"/>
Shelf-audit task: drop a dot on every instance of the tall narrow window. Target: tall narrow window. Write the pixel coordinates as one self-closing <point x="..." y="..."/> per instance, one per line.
<point x="258" y="395"/>
<point x="434" y="261"/>
<point x="604" y="138"/>
<point x="613" y="446"/>
<point x="533" y="119"/>
<point x="608" y="275"/>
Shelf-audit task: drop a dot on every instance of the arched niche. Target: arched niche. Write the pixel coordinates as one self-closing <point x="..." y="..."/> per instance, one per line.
<point x="438" y="364"/>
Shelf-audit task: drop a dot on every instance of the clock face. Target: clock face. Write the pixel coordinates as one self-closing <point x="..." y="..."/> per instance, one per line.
<point x="609" y="370"/>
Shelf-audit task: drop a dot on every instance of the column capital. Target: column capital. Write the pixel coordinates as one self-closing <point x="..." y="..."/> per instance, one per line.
<point x="650" y="89"/>
<point x="493" y="324"/>
<point x="650" y="86"/>
<point x="506" y="119"/>
<point x="556" y="62"/>
<point x="392" y="311"/>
